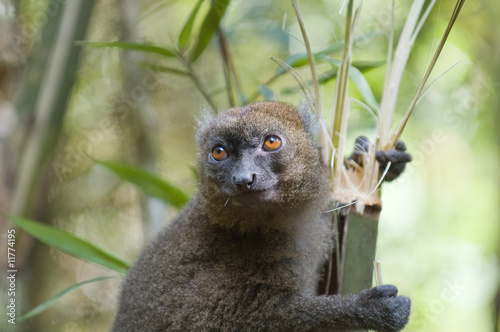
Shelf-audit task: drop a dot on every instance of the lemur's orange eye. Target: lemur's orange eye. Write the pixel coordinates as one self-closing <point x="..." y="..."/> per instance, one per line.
<point x="219" y="153"/>
<point x="272" y="143"/>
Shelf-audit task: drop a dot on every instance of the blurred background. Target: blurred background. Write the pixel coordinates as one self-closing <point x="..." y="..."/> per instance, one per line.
<point x="439" y="229"/>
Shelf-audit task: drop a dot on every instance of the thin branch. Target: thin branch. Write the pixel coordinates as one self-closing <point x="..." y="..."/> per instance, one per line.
<point x="231" y="66"/>
<point x="225" y="63"/>
<point x="303" y="84"/>
<point x="199" y="86"/>
<point x="424" y="92"/>
<point x="378" y="270"/>
<point x="310" y="55"/>
<point x="365" y="107"/>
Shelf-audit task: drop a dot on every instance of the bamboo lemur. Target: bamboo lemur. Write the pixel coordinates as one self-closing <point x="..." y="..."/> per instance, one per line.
<point x="246" y="253"/>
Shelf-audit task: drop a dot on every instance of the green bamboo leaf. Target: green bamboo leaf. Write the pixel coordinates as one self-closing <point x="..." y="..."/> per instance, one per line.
<point x="164" y="69"/>
<point x="70" y="244"/>
<point x="132" y="46"/>
<point x="361" y="66"/>
<point x="209" y="26"/>
<point x="265" y="92"/>
<point x="364" y="88"/>
<point x="323" y="78"/>
<point x="367" y="65"/>
<point x="329" y="75"/>
<point x="361" y="83"/>
<point x="301" y="59"/>
<point x="45" y="305"/>
<point x="188" y="27"/>
<point x="149" y="183"/>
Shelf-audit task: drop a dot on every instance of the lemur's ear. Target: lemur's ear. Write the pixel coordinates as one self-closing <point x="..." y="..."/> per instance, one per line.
<point x="203" y="120"/>
<point x="310" y="121"/>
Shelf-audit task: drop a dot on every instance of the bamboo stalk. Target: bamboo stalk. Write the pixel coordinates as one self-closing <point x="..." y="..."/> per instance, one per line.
<point x="54" y="59"/>
<point x="359" y="233"/>
<point x="360" y="249"/>
<point x="399" y="130"/>
<point x="398" y="65"/>
<point x="49" y="106"/>
<point x="340" y="102"/>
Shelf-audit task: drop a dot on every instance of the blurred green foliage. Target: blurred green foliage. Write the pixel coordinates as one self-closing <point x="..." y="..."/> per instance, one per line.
<point x="438" y="233"/>
<point x="70" y="244"/>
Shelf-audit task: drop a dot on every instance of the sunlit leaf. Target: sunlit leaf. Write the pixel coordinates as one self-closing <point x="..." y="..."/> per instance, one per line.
<point x="132" y="46"/>
<point x="209" y="26"/>
<point x="188" y="27"/>
<point x="364" y="88"/>
<point x="45" y="305"/>
<point x="149" y="183"/>
<point x="361" y="83"/>
<point x="70" y="244"/>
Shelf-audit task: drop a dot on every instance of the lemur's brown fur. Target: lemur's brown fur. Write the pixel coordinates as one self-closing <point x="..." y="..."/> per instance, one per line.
<point x="246" y="253"/>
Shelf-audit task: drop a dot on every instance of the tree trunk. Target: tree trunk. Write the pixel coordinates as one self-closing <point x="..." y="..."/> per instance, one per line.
<point x="42" y="97"/>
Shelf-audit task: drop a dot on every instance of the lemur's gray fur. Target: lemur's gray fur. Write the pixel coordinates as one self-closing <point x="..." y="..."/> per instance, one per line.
<point x="246" y="253"/>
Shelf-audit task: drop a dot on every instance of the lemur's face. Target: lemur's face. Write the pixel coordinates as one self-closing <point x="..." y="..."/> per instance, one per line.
<point x="258" y="155"/>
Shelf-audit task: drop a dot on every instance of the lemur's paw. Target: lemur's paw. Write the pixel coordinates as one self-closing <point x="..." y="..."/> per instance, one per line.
<point x="398" y="158"/>
<point x="384" y="310"/>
